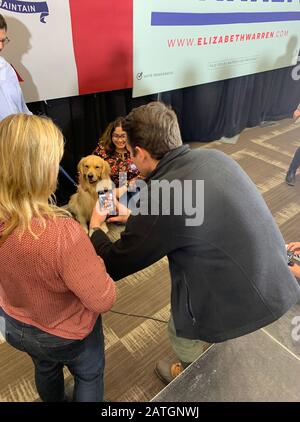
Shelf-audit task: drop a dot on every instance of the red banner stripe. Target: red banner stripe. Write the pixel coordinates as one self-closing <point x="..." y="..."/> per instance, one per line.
<point x="103" y="44"/>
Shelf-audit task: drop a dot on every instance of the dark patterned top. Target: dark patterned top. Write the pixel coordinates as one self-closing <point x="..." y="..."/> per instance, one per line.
<point x="120" y="167"/>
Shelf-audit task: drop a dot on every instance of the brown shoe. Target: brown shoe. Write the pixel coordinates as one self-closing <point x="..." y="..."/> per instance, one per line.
<point x="167" y="371"/>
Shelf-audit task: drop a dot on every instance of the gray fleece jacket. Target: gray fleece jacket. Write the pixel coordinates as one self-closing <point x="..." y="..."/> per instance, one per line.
<point x="229" y="274"/>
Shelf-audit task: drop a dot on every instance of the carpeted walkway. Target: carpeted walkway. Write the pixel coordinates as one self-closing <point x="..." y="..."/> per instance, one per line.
<point x="133" y="344"/>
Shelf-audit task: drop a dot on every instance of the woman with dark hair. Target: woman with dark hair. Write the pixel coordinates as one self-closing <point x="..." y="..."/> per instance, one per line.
<point x="112" y="148"/>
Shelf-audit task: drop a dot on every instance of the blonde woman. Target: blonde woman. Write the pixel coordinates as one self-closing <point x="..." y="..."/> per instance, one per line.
<point x="53" y="286"/>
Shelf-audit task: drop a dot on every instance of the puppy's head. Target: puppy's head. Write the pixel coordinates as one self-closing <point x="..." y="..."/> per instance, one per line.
<point x="92" y="169"/>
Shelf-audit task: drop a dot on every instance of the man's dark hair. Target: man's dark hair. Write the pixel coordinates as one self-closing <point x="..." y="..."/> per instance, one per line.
<point x="154" y="127"/>
<point x="3" y="24"/>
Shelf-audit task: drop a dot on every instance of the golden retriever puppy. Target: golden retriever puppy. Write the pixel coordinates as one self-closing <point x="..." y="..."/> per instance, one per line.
<point x="93" y="172"/>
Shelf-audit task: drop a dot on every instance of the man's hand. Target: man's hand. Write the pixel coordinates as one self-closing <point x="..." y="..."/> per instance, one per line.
<point x="98" y="217"/>
<point x="295" y="270"/>
<point x="293" y="246"/>
<point x="123" y="214"/>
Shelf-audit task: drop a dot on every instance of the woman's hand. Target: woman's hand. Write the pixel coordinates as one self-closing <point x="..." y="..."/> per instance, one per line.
<point x="132" y="182"/>
<point x="98" y="217"/>
<point x="129" y="186"/>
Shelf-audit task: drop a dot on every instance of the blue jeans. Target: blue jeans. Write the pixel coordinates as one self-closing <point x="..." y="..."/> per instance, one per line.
<point x="49" y="353"/>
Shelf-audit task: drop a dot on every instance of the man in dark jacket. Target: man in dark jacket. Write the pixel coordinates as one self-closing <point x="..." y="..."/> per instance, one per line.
<point x="227" y="257"/>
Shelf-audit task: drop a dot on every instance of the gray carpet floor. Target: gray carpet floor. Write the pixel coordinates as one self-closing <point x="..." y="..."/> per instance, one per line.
<point x="133" y="344"/>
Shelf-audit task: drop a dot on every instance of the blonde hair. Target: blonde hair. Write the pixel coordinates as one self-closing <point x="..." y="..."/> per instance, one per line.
<point x="31" y="148"/>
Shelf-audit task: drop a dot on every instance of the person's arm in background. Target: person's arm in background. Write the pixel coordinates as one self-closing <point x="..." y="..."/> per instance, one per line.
<point x="18" y="97"/>
<point x="120" y="191"/>
<point x="130" y="186"/>
<point x="294" y="247"/>
<point x="83" y="271"/>
<point x="23" y="105"/>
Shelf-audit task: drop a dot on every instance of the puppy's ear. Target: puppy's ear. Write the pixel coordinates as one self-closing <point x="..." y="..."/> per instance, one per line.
<point x="80" y="165"/>
<point x="105" y="170"/>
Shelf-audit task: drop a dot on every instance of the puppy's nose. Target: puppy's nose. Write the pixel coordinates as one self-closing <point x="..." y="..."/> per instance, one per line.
<point x="90" y="175"/>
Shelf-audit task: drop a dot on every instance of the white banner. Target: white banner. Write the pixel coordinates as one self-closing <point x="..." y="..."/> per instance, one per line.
<point x="41" y="49"/>
<point x="61" y="48"/>
<point x="190" y="42"/>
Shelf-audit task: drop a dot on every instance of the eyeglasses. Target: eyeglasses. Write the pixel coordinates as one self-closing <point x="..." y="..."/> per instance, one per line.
<point x="123" y="136"/>
<point x="5" y="41"/>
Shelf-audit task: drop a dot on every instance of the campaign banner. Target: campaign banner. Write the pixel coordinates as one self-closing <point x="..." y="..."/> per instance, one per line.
<point x="61" y="48"/>
<point x="190" y="42"/>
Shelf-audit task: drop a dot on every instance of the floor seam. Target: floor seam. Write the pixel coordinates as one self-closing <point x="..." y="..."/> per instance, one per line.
<point x="281" y="344"/>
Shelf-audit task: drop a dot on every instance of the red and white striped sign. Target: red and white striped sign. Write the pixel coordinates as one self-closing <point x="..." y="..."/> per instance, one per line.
<point x="69" y="47"/>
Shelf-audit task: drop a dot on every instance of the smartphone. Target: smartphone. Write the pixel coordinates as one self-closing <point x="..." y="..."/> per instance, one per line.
<point x="106" y="201"/>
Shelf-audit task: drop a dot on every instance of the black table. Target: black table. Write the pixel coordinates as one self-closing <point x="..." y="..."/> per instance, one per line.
<point x="261" y="366"/>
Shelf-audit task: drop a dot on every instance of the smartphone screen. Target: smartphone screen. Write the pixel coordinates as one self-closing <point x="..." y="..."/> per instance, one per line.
<point x="106" y="201"/>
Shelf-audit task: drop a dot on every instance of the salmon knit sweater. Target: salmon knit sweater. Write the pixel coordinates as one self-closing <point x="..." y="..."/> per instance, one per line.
<point x="57" y="282"/>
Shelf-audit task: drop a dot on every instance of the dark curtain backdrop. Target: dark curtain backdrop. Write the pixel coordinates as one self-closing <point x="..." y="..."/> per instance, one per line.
<point x="205" y="112"/>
